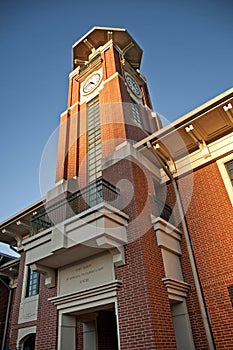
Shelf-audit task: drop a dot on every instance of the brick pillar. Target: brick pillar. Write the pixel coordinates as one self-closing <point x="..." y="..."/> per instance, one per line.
<point x="46" y="335"/>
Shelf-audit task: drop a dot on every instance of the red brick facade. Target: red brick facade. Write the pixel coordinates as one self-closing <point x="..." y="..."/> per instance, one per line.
<point x="14" y="326"/>
<point x="141" y="316"/>
<point x="4" y="296"/>
<point x="46" y="325"/>
<point x="210" y="222"/>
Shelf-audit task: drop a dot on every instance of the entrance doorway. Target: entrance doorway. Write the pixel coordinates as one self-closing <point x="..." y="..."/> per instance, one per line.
<point x="92" y="330"/>
<point x="97" y="330"/>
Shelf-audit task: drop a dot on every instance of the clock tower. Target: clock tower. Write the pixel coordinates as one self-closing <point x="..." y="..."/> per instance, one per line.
<point x="108" y="103"/>
<point x="98" y="251"/>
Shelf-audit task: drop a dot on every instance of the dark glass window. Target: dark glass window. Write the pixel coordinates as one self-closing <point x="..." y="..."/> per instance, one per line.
<point x="229" y="166"/>
<point x="94" y="140"/>
<point x="29" y="343"/>
<point x="230" y="291"/>
<point x="32" y="283"/>
<point x="136" y="113"/>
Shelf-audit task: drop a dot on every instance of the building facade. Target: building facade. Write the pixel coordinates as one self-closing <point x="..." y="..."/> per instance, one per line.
<point x="132" y="247"/>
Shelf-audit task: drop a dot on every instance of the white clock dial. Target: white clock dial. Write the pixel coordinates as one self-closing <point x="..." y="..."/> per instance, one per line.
<point x="133" y="85"/>
<point x="91" y="82"/>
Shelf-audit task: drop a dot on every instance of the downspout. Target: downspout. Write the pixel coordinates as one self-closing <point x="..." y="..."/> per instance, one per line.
<point x="200" y="296"/>
<point x="7" y="314"/>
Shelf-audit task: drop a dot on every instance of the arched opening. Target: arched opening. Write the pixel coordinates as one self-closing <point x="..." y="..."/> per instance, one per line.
<point x="29" y="342"/>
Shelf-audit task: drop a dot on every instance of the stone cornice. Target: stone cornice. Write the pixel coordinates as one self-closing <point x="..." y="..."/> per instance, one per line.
<point x="106" y="292"/>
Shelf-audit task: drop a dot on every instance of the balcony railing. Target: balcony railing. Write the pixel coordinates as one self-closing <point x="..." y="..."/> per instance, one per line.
<point x="162" y="210"/>
<point x="96" y="192"/>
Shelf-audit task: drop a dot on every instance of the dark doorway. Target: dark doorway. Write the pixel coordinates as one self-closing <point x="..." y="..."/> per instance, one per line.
<point x="107" y="330"/>
<point x="97" y="330"/>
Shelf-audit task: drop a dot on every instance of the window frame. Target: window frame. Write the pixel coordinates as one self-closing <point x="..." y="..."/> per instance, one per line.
<point x="230" y="171"/>
<point x="136" y="113"/>
<point x="32" y="287"/>
<point x="94" y="146"/>
<point x="225" y="175"/>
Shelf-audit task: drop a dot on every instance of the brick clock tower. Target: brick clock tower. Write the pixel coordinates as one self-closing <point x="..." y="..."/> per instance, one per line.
<point x="109" y="110"/>
<point x="108" y="286"/>
<point x="108" y="102"/>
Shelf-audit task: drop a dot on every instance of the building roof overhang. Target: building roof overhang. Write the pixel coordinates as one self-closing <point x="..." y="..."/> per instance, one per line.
<point x="99" y="36"/>
<point x="17" y="226"/>
<point x="9" y="272"/>
<point x="201" y="126"/>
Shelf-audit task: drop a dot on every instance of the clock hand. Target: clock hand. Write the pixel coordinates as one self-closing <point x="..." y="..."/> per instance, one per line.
<point x="90" y="82"/>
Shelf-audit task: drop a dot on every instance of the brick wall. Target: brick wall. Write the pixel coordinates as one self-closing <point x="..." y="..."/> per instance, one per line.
<point x="145" y="320"/>
<point x="13" y="335"/>
<point x="46" y="336"/>
<point x="210" y="223"/>
<point x="4" y="295"/>
<point x="61" y="169"/>
<point x="79" y="344"/>
<point x="209" y="220"/>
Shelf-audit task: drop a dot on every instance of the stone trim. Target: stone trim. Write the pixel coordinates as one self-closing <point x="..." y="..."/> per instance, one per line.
<point x="49" y="274"/>
<point x="168" y="236"/>
<point x="169" y="239"/>
<point x="177" y="290"/>
<point x="85" y="299"/>
<point x="118" y="255"/>
<point x="101" y="226"/>
<point x="23" y="333"/>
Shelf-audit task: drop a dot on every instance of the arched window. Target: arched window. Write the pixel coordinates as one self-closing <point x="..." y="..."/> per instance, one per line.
<point x="29" y="342"/>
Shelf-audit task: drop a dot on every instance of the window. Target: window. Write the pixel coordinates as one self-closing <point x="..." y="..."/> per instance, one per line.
<point x="94" y="147"/>
<point x="29" y="343"/>
<point x="136" y="113"/>
<point x="230" y="292"/>
<point x="225" y="166"/>
<point x="229" y="167"/>
<point x="32" y="283"/>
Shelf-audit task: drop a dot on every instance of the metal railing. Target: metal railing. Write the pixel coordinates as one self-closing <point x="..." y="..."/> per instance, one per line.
<point x="96" y="192"/>
<point x="162" y="210"/>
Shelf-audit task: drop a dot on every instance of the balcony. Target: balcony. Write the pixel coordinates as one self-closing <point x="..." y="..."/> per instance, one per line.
<point x="81" y="225"/>
<point x="88" y="197"/>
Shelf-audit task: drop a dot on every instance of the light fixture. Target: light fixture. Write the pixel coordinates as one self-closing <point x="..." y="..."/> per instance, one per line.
<point x="227" y="107"/>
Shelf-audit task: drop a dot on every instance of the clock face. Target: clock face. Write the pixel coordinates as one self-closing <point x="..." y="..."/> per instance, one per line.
<point x="91" y="82"/>
<point x="133" y="85"/>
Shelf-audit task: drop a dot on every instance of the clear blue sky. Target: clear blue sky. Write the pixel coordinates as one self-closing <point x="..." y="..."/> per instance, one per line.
<point x="188" y="59"/>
